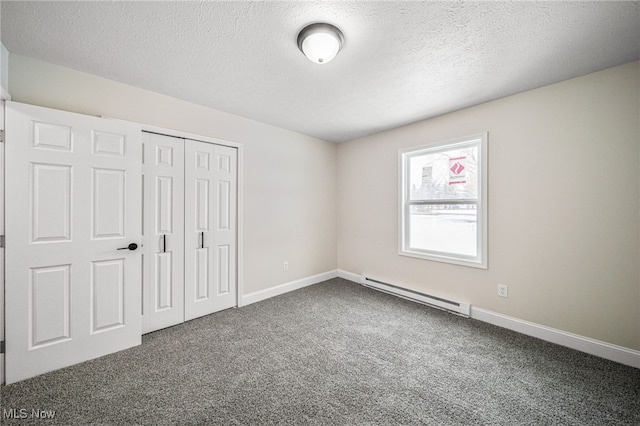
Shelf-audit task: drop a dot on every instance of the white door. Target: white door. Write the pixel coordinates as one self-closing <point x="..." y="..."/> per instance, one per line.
<point x="163" y="259"/>
<point x="210" y="228"/>
<point x="72" y="222"/>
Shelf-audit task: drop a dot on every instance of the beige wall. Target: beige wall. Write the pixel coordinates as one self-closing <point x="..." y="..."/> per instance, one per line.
<point x="289" y="178"/>
<point x="563" y="206"/>
<point x="564" y="199"/>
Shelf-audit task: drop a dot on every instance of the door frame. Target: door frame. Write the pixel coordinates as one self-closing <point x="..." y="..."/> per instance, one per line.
<point x="4" y="96"/>
<point x="240" y="185"/>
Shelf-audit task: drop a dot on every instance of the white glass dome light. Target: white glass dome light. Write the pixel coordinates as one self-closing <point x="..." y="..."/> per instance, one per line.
<point x="320" y="42"/>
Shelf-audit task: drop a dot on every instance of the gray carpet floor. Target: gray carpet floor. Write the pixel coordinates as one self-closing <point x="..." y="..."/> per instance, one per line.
<point x="335" y="353"/>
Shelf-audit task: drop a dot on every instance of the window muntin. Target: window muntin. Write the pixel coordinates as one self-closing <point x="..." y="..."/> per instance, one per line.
<point x="443" y="205"/>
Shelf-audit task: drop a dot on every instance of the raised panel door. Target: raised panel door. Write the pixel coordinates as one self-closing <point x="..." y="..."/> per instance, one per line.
<point x="163" y="288"/>
<point x="210" y="228"/>
<point x="73" y="200"/>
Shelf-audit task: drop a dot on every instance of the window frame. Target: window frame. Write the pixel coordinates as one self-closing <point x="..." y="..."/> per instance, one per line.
<point x="404" y="155"/>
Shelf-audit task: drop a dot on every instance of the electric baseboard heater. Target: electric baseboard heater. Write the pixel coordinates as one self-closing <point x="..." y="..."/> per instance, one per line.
<point x="457" y="308"/>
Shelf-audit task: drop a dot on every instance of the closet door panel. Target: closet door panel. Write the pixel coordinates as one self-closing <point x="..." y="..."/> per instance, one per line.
<point x="210" y="269"/>
<point x="198" y="208"/>
<point x="163" y="281"/>
<point x="224" y="235"/>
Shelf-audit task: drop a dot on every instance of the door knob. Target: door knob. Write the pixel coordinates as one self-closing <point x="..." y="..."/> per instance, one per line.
<point x="131" y="246"/>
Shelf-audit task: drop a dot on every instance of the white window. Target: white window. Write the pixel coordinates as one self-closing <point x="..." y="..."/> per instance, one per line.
<point x="443" y="201"/>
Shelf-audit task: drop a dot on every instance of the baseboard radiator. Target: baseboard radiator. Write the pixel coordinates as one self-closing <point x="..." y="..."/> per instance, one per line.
<point x="457" y="308"/>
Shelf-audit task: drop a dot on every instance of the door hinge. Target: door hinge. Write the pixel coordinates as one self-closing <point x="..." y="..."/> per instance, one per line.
<point x="1" y="136"/>
<point x="1" y="241"/>
<point x="2" y="347"/>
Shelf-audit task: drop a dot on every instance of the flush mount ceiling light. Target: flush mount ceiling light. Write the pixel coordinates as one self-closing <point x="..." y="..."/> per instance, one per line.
<point x="320" y="42"/>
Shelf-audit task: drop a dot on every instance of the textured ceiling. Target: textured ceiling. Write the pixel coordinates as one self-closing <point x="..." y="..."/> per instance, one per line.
<point x="402" y="61"/>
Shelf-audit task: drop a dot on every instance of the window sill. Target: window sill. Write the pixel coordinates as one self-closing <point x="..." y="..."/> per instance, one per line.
<point x="479" y="264"/>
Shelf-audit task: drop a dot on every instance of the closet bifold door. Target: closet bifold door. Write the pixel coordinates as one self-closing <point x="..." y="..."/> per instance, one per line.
<point x="210" y="228"/>
<point x="163" y="219"/>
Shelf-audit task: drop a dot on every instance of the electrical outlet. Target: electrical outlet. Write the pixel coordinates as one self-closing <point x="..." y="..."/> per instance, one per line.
<point x="285" y="266"/>
<point x="503" y="290"/>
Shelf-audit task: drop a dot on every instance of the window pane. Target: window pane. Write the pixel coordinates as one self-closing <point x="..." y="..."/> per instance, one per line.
<point x="442" y="175"/>
<point x="450" y="228"/>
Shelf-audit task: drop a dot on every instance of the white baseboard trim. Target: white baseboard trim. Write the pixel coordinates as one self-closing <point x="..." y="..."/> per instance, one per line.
<point x="587" y="345"/>
<point x="595" y="347"/>
<point x="257" y="296"/>
<point x="349" y="276"/>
